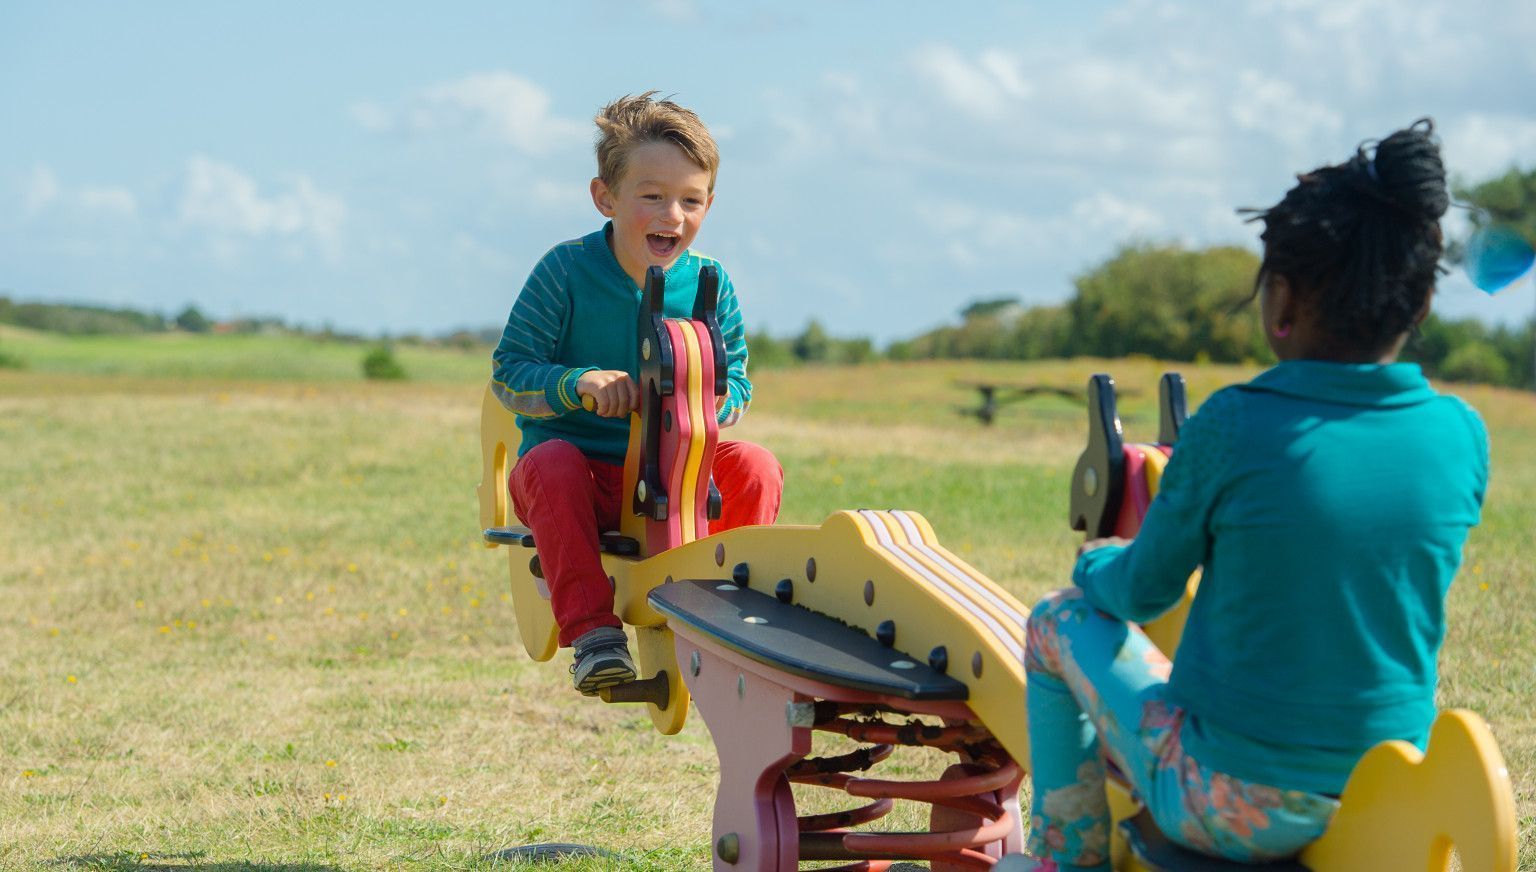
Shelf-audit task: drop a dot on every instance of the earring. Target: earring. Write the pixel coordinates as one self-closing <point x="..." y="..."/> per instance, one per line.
<point x="1283" y="330"/>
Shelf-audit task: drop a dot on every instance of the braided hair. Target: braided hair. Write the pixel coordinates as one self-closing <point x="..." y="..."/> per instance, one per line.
<point x="1360" y="242"/>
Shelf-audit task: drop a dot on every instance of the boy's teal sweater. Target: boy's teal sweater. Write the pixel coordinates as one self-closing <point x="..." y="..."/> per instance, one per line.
<point x="578" y="312"/>
<point x="1328" y="505"/>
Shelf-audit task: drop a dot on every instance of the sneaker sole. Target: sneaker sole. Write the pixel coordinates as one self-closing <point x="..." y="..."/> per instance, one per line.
<point x="608" y="677"/>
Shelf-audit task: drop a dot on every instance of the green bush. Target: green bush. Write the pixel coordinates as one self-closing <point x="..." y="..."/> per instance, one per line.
<point x="1476" y="361"/>
<point x="380" y="363"/>
<point x="192" y="320"/>
<point x="11" y="361"/>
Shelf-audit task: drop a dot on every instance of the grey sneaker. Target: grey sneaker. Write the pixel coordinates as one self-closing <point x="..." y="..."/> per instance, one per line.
<point x="602" y="660"/>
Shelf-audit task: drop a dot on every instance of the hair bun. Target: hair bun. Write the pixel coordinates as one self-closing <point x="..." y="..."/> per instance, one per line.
<point x="1409" y="173"/>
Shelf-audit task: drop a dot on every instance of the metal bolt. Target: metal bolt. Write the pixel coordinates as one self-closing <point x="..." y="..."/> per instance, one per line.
<point x="1090" y="481"/>
<point x="938" y="658"/>
<point x="645" y="349"/>
<point x="784" y="590"/>
<point x="640" y="491"/>
<point x="693" y="664"/>
<point x="729" y="848"/>
<point x="741" y="686"/>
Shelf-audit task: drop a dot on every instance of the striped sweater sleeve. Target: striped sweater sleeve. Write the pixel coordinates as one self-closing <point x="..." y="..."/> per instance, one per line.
<point x="524" y="376"/>
<point x="733" y="330"/>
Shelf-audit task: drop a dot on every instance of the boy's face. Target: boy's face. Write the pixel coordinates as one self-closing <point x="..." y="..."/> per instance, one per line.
<point x="657" y="207"/>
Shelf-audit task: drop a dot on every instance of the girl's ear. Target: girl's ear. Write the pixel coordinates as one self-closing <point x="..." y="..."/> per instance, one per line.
<point x="1279" y="303"/>
<point x="1424" y="309"/>
<point x="602" y="198"/>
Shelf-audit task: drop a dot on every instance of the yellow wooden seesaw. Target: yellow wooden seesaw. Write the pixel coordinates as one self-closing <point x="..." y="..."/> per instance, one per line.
<point x="779" y="644"/>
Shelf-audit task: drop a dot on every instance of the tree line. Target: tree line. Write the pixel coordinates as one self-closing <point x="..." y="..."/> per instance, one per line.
<point x="1160" y="300"/>
<point x="1178" y="304"/>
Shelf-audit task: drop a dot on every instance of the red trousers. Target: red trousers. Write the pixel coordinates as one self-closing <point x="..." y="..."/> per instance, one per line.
<point x="567" y="499"/>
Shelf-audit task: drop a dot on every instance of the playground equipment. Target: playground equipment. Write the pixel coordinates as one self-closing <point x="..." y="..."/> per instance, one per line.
<point x="864" y="626"/>
<point x="867" y="627"/>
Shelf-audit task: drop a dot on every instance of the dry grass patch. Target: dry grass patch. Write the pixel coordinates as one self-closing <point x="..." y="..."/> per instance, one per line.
<point x="249" y="625"/>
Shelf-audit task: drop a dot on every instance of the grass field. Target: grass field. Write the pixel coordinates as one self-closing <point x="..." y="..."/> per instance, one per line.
<point x="247" y="623"/>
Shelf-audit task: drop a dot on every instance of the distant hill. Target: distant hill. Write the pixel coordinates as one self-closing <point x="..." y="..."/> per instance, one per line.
<point x="84" y="319"/>
<point x="79" y="319"/>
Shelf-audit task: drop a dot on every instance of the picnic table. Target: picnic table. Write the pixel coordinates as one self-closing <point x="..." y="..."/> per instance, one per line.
<point x="996" y="394"/>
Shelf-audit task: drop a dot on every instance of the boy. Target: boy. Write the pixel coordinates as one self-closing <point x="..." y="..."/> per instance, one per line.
<point x="572" y="335"/>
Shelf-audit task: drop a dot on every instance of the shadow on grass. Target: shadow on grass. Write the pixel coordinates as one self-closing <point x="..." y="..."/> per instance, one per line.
<point x="123" y="861"/>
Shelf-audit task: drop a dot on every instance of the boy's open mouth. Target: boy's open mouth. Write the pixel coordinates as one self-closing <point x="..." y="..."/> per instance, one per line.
<point x="661" y="244"/>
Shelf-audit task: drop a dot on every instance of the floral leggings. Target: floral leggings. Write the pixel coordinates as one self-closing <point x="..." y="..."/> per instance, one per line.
<point x="1099" y="686"/>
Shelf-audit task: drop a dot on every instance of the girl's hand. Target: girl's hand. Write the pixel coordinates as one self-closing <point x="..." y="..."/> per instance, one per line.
<point x="613" y="393"/>
<point x="1095" y="544"/>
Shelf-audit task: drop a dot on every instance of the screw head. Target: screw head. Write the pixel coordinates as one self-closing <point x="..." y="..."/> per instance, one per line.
<point x="728" y="847"/>
<point x="693" y="664"/>
<point x="938" y="659"/>
<point x="645" y="349"/>
<point x="1090" y="481"/>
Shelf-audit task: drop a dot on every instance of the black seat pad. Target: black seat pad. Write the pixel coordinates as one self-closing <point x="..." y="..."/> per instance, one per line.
<point x="798" y="641"/>
<point x="1158" y="854"/>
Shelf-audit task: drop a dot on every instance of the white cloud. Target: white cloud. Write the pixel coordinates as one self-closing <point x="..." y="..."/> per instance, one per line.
<point x="503" y="107"/>
<point x="42" y="188"/>
<point x="219" y="198"/>
<point x="681" y="11"/>
<point x="1479" y="146"/>
<point x="113" y="201"/>
<point x="988" y="87"/>
<point x="1114" y="217"/>
<point x="567" y="198"/>
<point x="1273" y="108"/>
<point x="43" y="192"/>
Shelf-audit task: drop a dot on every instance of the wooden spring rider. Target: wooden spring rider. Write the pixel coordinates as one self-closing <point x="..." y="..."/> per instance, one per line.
<point x="1400" y="810"/>
<point x="855" y="627"/>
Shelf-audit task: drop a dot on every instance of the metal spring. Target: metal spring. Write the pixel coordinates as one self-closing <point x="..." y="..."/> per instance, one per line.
<point x="825" y="836"/>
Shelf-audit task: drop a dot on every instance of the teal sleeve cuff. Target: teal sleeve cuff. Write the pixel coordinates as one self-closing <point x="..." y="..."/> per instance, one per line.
<point x="1089" y="571"/>
<point x="560" y="389"/>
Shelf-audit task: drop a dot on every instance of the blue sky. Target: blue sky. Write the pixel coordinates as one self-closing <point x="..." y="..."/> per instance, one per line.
<point x="390" y="167"/>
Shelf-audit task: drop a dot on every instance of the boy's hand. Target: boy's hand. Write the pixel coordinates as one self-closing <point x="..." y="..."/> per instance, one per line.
<point x="1096" y="544"/>
<point x="614" y="394"/>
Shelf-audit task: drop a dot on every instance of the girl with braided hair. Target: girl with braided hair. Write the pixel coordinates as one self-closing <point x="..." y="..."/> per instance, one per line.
<point x="1326" y="501"/>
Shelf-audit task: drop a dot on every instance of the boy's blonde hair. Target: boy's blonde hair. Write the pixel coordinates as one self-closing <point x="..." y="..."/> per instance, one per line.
<point x="631" y="121"/>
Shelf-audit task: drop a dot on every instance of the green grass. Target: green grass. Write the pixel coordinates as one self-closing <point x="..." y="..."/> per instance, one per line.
<point x="248" y="625"/>
<point x="241" y="356"/>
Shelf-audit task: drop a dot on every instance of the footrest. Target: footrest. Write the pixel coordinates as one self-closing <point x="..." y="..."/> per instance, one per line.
<point x="1154" y="851"/>
<point x="797" y="640"/>
<point x="610" y="542"/>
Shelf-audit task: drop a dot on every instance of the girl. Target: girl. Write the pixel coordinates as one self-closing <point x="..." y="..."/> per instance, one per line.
<point x="1326" y="500"/>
